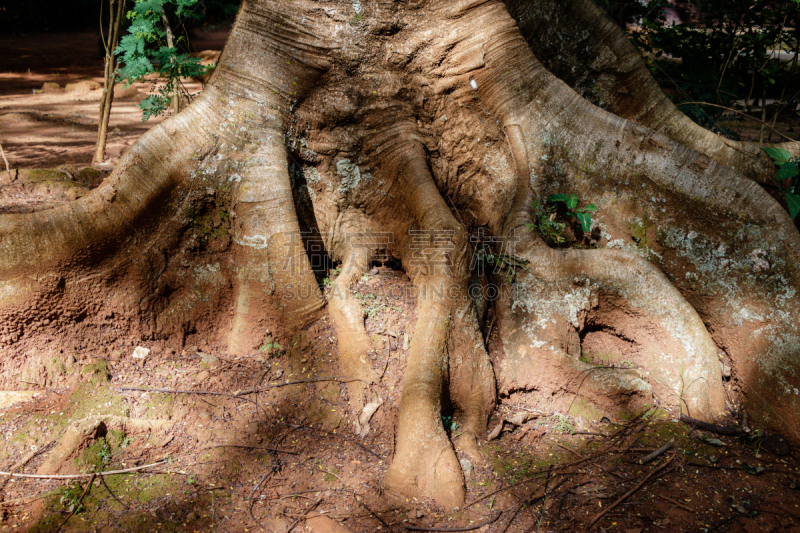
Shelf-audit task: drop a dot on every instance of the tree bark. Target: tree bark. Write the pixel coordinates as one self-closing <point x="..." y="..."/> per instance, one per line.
<point x="382" y="121"/>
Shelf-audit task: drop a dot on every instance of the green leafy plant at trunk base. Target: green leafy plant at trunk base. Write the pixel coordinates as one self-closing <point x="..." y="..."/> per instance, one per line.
<point x="545" y="223"/>
<point x="583" y="214"/>
<point x="545" y="217"/>
<point x="788" y="169"/>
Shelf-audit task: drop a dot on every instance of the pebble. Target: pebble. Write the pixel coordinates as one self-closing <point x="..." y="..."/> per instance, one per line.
<point x="140" y="352"/>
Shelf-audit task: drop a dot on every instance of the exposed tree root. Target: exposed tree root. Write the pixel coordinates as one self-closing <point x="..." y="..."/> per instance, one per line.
<point x="81" y="432"/>
<point x="347" y="315"/>
<point x="273" y="267"/>
<point x="424" y="461"/>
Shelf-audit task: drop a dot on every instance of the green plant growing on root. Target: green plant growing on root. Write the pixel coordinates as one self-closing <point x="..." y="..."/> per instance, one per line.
<point x="788" y="168"/>
<point x="583" y="214"/>
<point x="545" y="223"/>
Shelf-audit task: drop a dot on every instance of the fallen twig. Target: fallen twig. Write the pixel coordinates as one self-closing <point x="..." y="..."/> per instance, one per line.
<point x="77" y="504"/>
<point x="523" y="482"/>
<point x="513" y="517"/>
<point x="302" y="516"/>
<point x="103" y="481"/>
<point x="651" y="456"/>
<point x="21" y="501"/>
<point x="381" y="520"/>
<point x="722" y="467"/>
<point x="199" y="392"/>
<point x="342" y="379"/>
<point x="22" y="462"/>
<point x="492" y="519"/>
<point x="277" y="450"/>
<point x="721" y="430"/>
<point x="252" y="499"/>
<point x="82" y="476"/>
<point x="676" y="502"/>
<point x="544" y="502"/>
<point x="781" y="508"/>
<point x="570" y="450"/>
<point x="602" y="513"/>
<point x="340" y="436"/>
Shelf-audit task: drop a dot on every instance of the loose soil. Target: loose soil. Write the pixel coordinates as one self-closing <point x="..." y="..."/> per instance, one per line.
<point x="290" y="454"/>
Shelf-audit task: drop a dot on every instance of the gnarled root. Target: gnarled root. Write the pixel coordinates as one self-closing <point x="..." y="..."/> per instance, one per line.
<point x="348" y="319"/>
<point x="424" y="462"/>
<point x="472" y="380"/>
<point x="668" y="341"/>
<point x="273" y="268"/>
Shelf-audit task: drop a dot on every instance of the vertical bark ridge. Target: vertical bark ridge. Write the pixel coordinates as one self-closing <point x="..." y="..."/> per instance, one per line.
<point x="424" y="461"/>
<point x="273" y="270"/>
<point x="346" y="311"/>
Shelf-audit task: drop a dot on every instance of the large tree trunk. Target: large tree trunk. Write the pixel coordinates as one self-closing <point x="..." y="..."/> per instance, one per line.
<point x="381" y="118"/>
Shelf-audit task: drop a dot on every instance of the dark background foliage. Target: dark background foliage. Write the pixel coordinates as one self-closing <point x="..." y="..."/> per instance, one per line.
<point x="29" y="16"/>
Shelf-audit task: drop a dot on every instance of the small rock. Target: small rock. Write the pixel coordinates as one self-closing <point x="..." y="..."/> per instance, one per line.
<point x="81" y="87"/>
<point x="776" y="444"/>
<point x="210" y="360"/>
<point x="726" y="370"/>
<point x="191" y="349"/>
<point x="140" y="352"/>
<point x="120" y="91"/>
<point x="466" y="466"/>
<point x="51" y="87"/>
<point x="406" y="342"/>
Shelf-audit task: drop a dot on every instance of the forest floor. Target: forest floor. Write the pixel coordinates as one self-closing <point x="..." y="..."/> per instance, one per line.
<point x="291" y="456"/>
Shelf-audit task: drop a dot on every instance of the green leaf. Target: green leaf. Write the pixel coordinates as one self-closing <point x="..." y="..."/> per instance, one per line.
<point x="793" y="202"/>
<point x="572" y="202"/>
<point x="553" y="198"/>
<point x="778" y="154"/>
<point x="787" y="171"/>
<point x="753" y="471"/>
<point x="586" y="221"/>
<point x="591" y="208"/>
